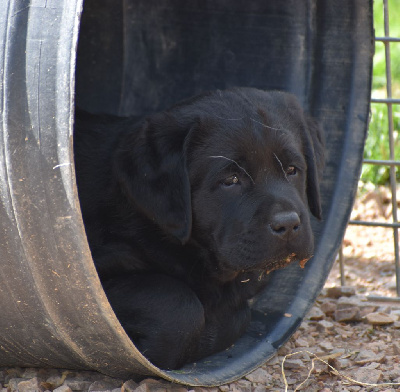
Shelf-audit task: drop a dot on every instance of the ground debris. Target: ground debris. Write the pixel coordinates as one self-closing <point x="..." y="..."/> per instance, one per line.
<point x="379" y="318"/>
<point x="340" y="291"/>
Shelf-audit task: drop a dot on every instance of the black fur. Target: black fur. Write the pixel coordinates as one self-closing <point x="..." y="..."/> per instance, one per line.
<point x="185" y="210"/>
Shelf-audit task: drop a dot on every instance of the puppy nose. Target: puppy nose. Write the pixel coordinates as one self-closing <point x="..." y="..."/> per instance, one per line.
<point x="285" y="224"/>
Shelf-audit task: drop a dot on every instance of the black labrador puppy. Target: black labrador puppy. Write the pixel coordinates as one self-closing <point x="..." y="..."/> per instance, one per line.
<point x="188" y="210"/>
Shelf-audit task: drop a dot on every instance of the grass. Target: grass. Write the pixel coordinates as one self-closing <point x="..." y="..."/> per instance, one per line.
<point x="377" y="144"/>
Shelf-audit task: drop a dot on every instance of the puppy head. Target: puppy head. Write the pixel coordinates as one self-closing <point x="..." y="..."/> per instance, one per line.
<point x="235" y="171"/>
<point x="254" y="164"/>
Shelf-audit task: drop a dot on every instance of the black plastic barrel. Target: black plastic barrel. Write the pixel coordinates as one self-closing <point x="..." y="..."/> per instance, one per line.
<point x="137" y="57"/>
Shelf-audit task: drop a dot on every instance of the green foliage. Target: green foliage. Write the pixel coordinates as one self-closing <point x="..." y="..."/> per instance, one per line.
<point x="377" y="144"/>
<point x="379" y="72"/>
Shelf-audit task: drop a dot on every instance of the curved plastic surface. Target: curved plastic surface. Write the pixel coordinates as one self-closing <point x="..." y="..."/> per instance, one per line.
<point x="137" y="57"/>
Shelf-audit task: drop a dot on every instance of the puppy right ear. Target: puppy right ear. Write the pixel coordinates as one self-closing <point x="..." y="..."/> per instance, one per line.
<point x="150" y="167"/>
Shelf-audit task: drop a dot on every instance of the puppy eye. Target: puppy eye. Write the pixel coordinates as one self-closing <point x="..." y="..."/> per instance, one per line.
<point x="232" y="180"/>
<point x="291" y="171"/>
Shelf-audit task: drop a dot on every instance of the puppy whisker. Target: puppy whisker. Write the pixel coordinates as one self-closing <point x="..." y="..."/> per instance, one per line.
<point x="280" y="163"/>
<point x="232" y="160"/>
<point x="228" y="119"/>
<point x="266" y="126"/>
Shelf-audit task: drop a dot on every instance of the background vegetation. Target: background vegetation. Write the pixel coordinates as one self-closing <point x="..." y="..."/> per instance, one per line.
<point x="377" y="144"/>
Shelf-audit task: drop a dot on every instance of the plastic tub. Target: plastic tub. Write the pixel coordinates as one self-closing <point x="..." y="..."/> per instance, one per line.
<point x="137" y="57"/>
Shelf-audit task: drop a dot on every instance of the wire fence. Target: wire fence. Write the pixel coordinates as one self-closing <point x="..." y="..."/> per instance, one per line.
<point x="393" y="162"/>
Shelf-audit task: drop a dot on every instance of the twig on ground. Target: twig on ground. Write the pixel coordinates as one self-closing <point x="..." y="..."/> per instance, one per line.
<point x="334" y="371"/>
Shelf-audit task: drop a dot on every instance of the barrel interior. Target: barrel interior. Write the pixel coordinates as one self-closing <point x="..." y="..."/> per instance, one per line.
<point x="137" y="57"/>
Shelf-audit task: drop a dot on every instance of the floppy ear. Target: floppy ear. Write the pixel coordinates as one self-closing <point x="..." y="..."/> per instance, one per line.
<point x="314" y="153"/>
<point x="150" y="167"/>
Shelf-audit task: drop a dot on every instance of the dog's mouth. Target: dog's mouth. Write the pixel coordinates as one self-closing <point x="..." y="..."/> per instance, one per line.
<point x="279" y="264"/>
<point x="227" y="275"/>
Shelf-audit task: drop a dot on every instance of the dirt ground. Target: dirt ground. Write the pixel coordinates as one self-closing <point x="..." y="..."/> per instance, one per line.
<point x="369" y="251"/>
<point x="347" y="343"/>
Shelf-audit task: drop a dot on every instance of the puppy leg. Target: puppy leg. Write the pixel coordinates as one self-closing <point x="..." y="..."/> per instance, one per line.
<point x="227" y="313"/>
<point x="225" y="323"/>
<point x="162" y="316"/>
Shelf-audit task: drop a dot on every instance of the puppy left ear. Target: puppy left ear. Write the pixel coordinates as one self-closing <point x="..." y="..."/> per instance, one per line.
<point x="150" y="167"/>
<point x="315" y="158"/>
